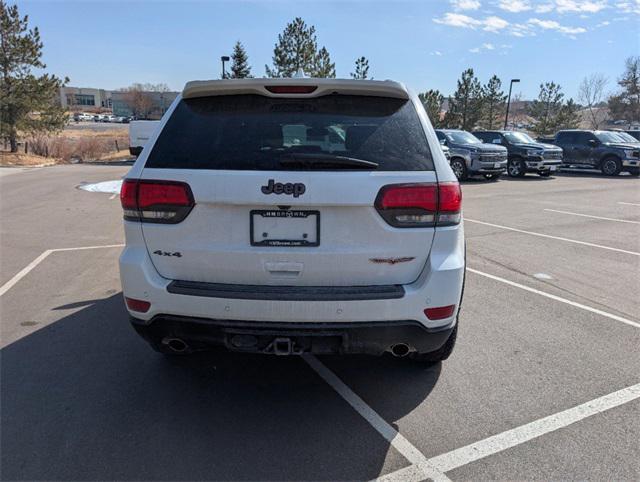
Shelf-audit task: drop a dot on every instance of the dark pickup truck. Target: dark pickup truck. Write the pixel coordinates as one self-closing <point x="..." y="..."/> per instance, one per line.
<point x="469" y="156"/>
<point x="609" y="151"/>
<point x="525" y="154"/>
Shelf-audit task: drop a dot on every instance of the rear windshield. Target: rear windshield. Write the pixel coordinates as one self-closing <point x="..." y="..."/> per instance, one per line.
<point x="253" y="132"/>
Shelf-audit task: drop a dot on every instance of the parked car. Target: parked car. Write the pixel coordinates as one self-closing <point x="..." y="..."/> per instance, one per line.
<point x="238" y="238"/>
<point x="97" y="118"/>
<point x="525" y="154"/>
<point x="139" y="134"/>
<point x="470" y="156"/>
<point x="604" y="150"/>
<point x="447" y="152"/>
<point x="634" y="133"/>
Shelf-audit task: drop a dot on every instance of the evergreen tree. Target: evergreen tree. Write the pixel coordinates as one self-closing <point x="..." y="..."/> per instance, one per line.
<point x="569" y="117"/>
<point x="626" y="104"/>
<point x="27" y="101"/>
<point x="297" y="48"/>
<point x="465" y="107"/>
<point x="240" y="68"/>
<point x="547" y="109"/>
<point x="324" y="68"/>
<point x="362" y="69"/>
<point x="493" y="103"/>
<point x="432" y="101"/>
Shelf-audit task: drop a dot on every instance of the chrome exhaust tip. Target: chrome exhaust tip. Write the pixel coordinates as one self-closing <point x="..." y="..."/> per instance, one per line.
<point x="175" y="344"/>
<point x="400" y="350"/>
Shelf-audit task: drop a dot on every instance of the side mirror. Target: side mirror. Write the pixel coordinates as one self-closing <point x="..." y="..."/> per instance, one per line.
<point x="443" y="142"/>
<point x="593" y="142"/>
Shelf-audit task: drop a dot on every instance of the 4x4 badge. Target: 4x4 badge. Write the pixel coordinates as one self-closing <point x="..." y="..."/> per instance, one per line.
<point x="272" y="187"/>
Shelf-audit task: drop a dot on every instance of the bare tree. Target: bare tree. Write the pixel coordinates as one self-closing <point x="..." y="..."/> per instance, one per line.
<point x="591" y="94"/>
<point x="139" y="100"/>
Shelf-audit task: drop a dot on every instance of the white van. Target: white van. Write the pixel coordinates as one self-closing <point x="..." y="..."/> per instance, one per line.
<point x="139" y="133"/>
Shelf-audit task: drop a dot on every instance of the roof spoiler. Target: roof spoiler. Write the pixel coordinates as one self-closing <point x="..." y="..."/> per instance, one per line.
<point x="294" y="87"/>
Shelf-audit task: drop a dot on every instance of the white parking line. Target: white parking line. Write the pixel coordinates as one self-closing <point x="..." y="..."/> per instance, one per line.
<point x="397" y="440"/>
<point x="411" y="473"/>
<point x="24" y="271"/>
<point x="436" y="467"/>
<point x="629" y="204"/>
<point x="519" y="435"/>
<point x="593" y="217"/>
<point x="556" y="298"/>
<point x="568" y="240"/>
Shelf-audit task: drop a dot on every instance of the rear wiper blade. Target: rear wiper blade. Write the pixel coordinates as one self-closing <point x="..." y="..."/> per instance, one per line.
<point x="309" y="159"/>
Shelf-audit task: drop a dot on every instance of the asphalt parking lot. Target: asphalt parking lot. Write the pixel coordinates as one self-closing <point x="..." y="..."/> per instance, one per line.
<point x="544" y="382"/>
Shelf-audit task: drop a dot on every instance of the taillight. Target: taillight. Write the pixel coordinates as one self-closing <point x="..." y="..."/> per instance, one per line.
<point x="291" y="89"/>
<point x="440" y="312"/>
<point x="420" y="205"/>
<point x="149" y="201"/>
<point x="137" y="305"/>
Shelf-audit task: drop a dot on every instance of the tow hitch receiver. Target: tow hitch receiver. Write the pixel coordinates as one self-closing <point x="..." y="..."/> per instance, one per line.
<point x="282" y="347"/>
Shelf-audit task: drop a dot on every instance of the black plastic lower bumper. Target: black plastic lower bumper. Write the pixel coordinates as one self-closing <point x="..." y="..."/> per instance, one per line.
<point x="373" y="338"/>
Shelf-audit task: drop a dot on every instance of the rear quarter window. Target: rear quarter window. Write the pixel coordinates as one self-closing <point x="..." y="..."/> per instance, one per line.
<point x="252" y="132"/>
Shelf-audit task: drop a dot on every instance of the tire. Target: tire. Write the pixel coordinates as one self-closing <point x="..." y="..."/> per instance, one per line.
<point x="491" y="177"/>
<point x="611" y="166"/>
<point x="441" y="354"/>
<point x="459" y="168"/>
<point x="516" y="168"/>
<point x="634" y="171"/>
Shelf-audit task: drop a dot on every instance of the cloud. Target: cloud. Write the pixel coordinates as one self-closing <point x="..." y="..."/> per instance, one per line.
<point x="437" y="53"/>
<point x="465" y="4"/>
<point x="489" y="24"/>
<point x="581" y="6"/>
<point x="486" y="47"/>
<point x="458" y="20"/>
<point x="515" y="6"/>
<point x="545" y="8"/>
<point x="494" y="24"/>
<point x="553" y="25"/>
<point x="521" y="30"/>
<point x="631" y="6"/>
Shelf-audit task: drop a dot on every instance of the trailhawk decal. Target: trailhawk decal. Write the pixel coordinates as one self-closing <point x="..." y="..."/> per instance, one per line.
<point x="392" y="261"/>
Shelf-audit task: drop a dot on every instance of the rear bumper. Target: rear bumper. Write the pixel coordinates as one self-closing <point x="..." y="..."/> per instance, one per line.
<point x="439" y="284"/>
<point x="373" y="338"/>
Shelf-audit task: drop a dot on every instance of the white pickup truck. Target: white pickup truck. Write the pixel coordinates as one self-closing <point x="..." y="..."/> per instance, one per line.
<point x="139" y="133"/>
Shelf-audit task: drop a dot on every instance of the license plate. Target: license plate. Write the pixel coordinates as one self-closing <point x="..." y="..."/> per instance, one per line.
<point x="552" y="168"/>
<point x="497" y="165"/>
<point x="281" y="227"/>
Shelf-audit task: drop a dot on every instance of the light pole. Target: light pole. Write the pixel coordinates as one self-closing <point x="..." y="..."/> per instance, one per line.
<point x="224" y="58"/>
<point x="506" y="116"/>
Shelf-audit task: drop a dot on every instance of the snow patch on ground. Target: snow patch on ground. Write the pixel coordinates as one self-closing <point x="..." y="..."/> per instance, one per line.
<point x="544" y="276"/>
<point x="110" y="187"/>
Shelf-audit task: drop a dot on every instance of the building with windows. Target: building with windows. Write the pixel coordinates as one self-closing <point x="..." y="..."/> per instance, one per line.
<point x="81" y="98"/>
<point x="142" y="104"/>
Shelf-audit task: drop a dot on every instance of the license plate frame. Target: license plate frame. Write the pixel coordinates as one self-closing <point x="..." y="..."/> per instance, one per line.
<point x="496" y="165"/>
<point x="284" y="213"/>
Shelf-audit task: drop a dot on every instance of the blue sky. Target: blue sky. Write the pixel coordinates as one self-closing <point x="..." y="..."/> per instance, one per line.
<point x="426" y="44"/>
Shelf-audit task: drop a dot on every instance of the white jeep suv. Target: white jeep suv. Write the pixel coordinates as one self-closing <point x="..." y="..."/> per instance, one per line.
<point x="291" y="216"/>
